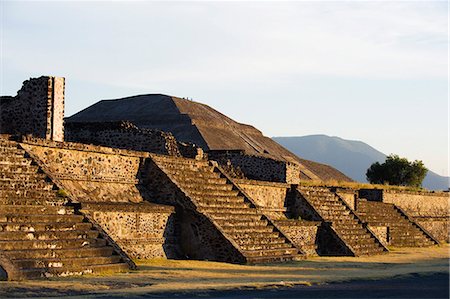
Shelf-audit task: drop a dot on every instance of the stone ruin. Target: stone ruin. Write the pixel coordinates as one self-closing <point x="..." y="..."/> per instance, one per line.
<point x="158" y="176"/>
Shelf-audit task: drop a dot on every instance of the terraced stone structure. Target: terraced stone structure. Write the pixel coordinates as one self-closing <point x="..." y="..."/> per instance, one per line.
<point x="41" y="233"/>
<point x="204" y="190"/>
<point x="206" y="187"/>
<point x="393" y="225"/>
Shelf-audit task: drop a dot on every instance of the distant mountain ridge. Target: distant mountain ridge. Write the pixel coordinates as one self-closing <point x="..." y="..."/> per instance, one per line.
<point x="349" y="156"/>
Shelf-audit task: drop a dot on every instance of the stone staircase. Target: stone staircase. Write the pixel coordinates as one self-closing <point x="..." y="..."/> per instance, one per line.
<point x="40" y="234"/>
<point x="345" y="223"/>
<point x="229" y="210"/>
<point x="403" y="231"/>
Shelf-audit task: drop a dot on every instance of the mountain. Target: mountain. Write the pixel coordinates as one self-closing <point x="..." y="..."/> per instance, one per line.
<point x="349" y="156"/>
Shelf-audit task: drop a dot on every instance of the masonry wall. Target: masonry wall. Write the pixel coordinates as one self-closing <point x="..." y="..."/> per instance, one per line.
<point x="302" y="233"/>
<point x="37" y="109"/>
<point x="258" y="167"/>
<point x="429" y="209"/>
<point x="124" y="135"/>
<point x="265" y="194"/>
<point x="349" y="196"/>
<point x="89" y="173"/>
<point x="106" y="183"/>
<point x="143" y="230"/>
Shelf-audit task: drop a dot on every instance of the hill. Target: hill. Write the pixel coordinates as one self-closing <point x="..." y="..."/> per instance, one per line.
<point x="349" y="156"/>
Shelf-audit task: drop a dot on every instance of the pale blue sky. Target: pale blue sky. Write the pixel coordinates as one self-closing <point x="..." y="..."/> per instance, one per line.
<point x="370" y="71"/>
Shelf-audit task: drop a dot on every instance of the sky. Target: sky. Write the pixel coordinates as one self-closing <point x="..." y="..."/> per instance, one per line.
<point x="375" y="71"/>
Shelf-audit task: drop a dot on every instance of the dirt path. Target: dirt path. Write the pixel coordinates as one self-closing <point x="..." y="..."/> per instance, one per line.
<point x="172" y="278"/>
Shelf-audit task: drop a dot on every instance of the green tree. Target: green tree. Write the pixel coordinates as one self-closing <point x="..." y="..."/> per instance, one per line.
<point x="397" y="171"/>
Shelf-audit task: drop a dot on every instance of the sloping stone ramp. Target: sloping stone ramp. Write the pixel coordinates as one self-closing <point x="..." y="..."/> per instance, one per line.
<point x="40" y="234"/>
<point x="403" y="230"/>
<point x="349" y="228"/>
<point x="214" y="195"/>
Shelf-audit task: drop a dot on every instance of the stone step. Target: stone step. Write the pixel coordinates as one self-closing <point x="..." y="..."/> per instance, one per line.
<point x="201" y="187"/>
<point x="404" y="229"/>
<point x="212" y="193"/>
<point x="51" y="244"/>
<point x="240" y="222"/>
<point x="348" y="220"/>
<point x="48" y="235"/>
<point x="224" y="205"/>
<point x="263" y="246"/>
<point x="219" y="199"/>
<point x="185" y="168"/>
<point x="37" y="209"/>
<point x="14" y="184"/>
<point x="182" y="175"/>
<point x="179" y="160"/>
<point x="362" y="248"/>
<point x="411" y="243"/>
<point x="48" y="194"/>
<point x="358" y="238"/>
<point x="12" y="148"/>
<point x="363" y="252"/>
<point x="40" y="218"/>
<point x="60" y="253"/>
<point x="399" y="224"/>
<point x="202" y="180"/>
<point x="30" y="201"/>
<point x="370" y="218"/>
<point x="407" y="236"/>
<point x="8" y="143"/>
<point x="66" y="262"/>
<point x="313" y="189"/>
<point x="256" y="238"/>
<point x="270" y="252"/>
<point x="333" y="213"/>
<point x="362" y="244"/>
<point x="224" y="211"/>
<point x="334" y="207"/>
<point x="11" y="153"/>
<point x="247" y="229"/>
<point x="351" y="227"/>
<point x="239" y="217"/>
<point x="273" y="259"/>
<point x="13" y="160"/>
<point x="377" y="210"/>
<point x="75" y="270"/>
<point x="22" y="176"/>
<point x="18" y="168"/>
<point x="44" y="226"/>
<point x="326" y="194"/>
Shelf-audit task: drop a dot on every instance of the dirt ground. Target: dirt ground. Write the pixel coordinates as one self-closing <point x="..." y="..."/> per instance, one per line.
<point x="175" y="278"/>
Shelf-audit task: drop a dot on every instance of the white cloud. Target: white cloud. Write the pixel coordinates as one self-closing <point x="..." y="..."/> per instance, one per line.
<point x="154" y="42"/>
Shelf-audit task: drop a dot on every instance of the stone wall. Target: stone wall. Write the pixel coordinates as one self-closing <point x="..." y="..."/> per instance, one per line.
<point x="302" y="233"/>
<point x="124" y="135"/>
<point x="106" y="183"/>
<point x="37" y="109"/>
<point x="429" y="209"/>
<point x="89" y="173"/>
<point x="258" y="167"/>
<point x="265" y="194"/>
<point x="142" y="230"/>
<point x="349" y="196"/>
<point x="381" y="232"/>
